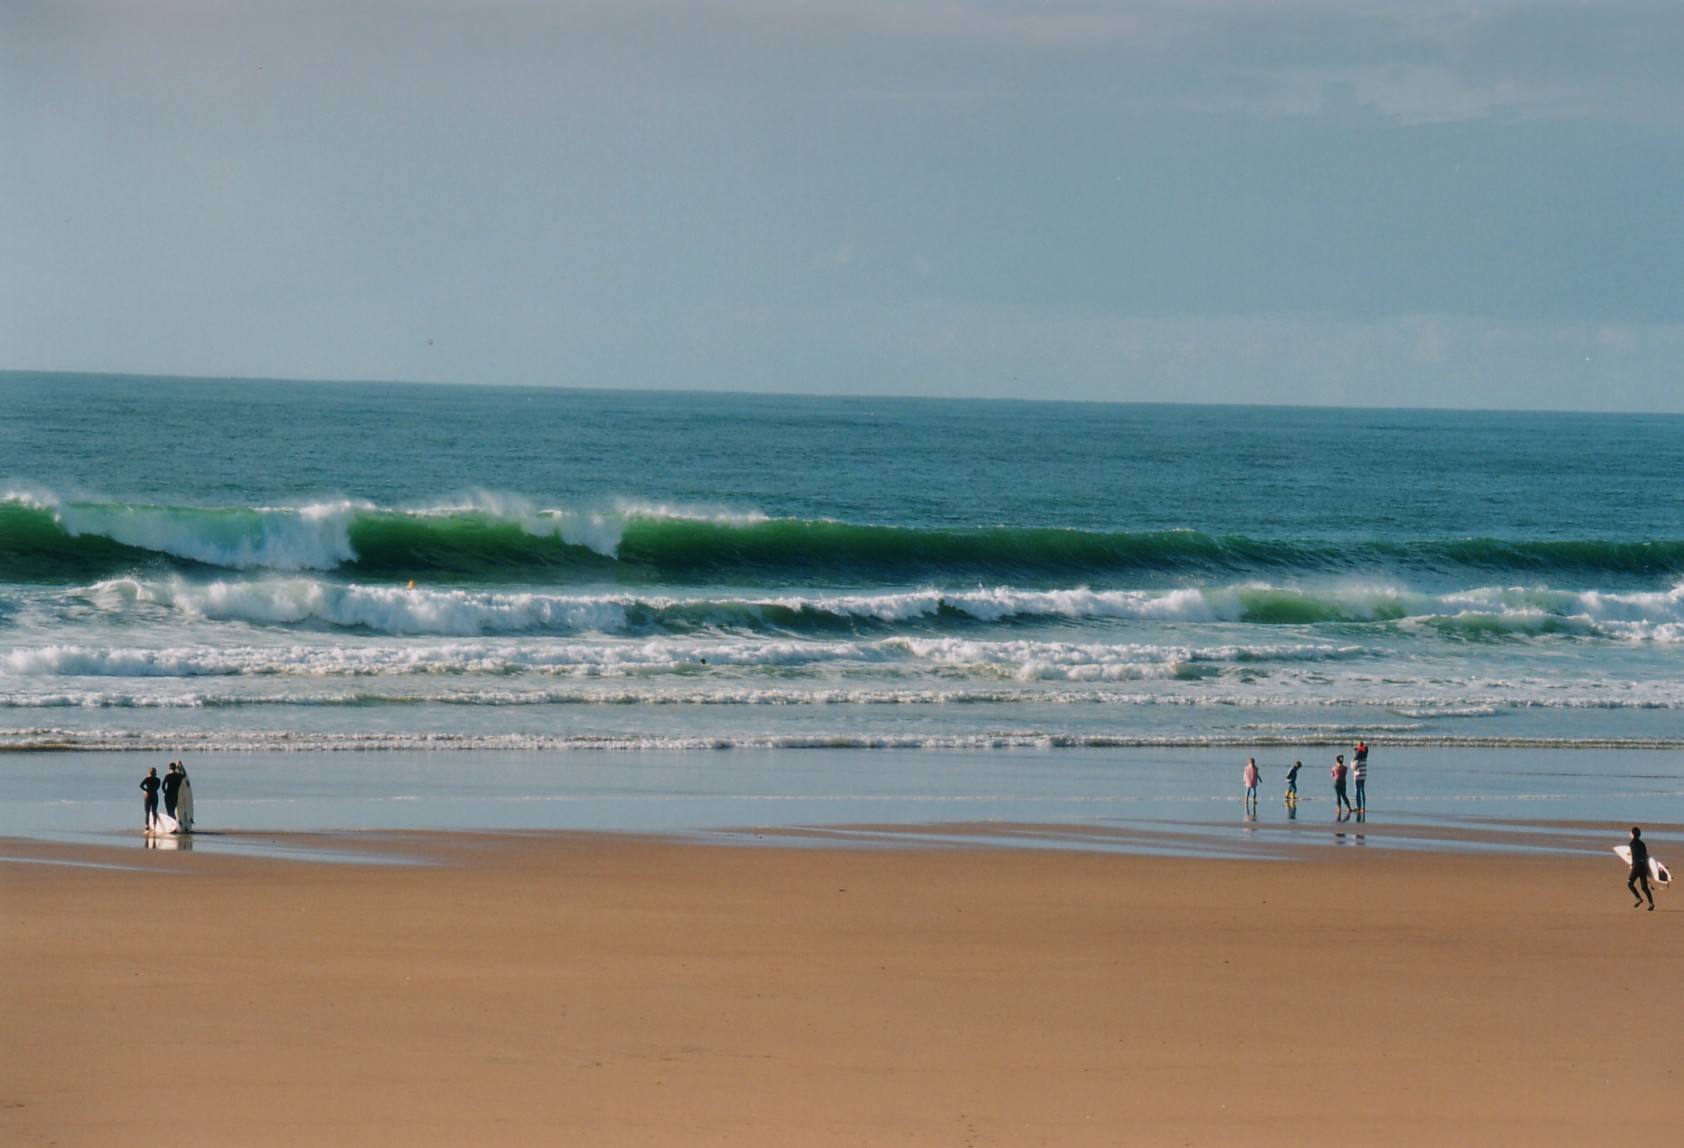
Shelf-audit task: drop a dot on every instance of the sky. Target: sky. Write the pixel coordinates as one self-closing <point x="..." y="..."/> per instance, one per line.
<point x="1396" y="203"/>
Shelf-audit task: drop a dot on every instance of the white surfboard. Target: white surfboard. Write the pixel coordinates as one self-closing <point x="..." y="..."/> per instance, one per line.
<point x="184" y="807"/>
<point x="1657" y="872"/>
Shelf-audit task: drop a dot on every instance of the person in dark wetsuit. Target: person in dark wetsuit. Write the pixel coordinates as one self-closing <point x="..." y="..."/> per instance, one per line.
<point x="1639" y="870"/>
<point x="150" y="785"/>
<point x="172" y="786"/>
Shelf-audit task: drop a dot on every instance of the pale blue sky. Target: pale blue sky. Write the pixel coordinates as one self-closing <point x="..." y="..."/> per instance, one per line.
<point x="1383" y="203"/>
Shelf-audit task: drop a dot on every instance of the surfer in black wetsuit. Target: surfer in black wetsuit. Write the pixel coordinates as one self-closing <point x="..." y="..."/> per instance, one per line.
<point x="150" y="785"/>
<point x="172" y="786"/>
<point x="1639" y="870"/>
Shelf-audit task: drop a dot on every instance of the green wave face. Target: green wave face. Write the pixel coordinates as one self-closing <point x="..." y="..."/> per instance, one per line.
<point x="34" y="547"/>
<point x="75" y="542"/>
<point x="468" y="545"/>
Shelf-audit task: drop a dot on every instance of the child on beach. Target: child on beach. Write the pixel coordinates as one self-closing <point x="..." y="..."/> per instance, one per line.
<point x="1253" y="778"/>
<point x="1292" y="783"/>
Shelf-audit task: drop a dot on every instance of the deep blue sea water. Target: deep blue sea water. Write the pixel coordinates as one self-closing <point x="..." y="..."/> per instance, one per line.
<point x="553" y="608"/>
<point x="202" y="566"/>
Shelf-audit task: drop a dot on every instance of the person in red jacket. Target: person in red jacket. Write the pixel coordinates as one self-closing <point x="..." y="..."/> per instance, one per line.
<point x="1341" y="803"/>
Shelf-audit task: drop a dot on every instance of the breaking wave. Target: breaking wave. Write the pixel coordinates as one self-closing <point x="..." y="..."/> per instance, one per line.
<point x="196" y="742"/>
<point x="45" y="539"/>
<point x="1479" y="614"/>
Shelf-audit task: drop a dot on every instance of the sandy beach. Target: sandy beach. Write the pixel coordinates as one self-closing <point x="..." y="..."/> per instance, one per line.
<point x="546" y="988"/>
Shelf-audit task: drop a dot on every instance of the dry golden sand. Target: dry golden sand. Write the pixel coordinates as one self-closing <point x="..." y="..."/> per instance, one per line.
<point x="549" y="989"/>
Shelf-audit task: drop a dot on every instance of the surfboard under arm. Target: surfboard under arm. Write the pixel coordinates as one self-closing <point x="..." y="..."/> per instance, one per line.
<point x="1658" y="873"/>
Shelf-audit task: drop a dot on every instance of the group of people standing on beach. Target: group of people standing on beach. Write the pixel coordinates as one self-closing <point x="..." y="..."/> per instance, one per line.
<point x="1343" y="776"/>
<point x="1636" y="851"/>
<point x="169" y="787"/>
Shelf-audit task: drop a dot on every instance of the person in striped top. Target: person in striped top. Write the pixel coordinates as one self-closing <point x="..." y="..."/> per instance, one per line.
<point x="1359" y="774"/>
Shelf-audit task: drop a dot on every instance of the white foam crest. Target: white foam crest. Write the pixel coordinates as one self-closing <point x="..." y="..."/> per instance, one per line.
<point x="630" y="508"/>
<point x="83" y="661"/>
<point x="610" y="656"/>
<point x="385" y="609"/>
<point x="1653" y="616"/>
<point x="1524" y="607"/>
<point x="30" y="498"/>
<point x="315" y="537"/>
<point x="596" y="692"/>
<point x="895" y="607"/>
<point x="991" y="605"/>
<point x="600" y="531"/>
<point x="1087" y="661"/>
<point x="1656" y="617"/>
<point x="1423" y="703"/>
<point x="102" y="699"/>
<point x="1002" y="602"/>
<point x="396" y="610"/>
<point x="493" y="657"/>
<point x="188" y="741"/>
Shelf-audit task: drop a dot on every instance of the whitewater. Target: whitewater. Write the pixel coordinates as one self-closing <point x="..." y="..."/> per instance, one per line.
<point x="227" y="566"/>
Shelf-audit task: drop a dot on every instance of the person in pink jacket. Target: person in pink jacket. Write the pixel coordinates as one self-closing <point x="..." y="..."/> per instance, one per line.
<point x="1253" y="778"/>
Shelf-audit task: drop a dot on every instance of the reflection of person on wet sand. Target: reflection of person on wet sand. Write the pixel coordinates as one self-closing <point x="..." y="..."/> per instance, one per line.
<point x="150" y="785"/>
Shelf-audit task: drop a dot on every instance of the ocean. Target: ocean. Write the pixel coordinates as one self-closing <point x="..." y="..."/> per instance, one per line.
<point x="216" y="567"/>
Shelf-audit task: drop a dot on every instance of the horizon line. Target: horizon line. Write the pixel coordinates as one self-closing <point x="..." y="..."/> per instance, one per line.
<point x="873" y="395"/>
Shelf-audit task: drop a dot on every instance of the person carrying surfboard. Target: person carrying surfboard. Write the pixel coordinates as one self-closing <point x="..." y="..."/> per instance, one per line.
<point x="172" y="786"/>
<point x="1639" y="870"/>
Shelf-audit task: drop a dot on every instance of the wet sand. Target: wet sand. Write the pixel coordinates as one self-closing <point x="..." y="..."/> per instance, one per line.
<point x="548" y="989"/>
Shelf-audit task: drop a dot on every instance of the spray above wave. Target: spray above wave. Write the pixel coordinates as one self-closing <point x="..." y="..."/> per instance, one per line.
<point x="44" y="539"/>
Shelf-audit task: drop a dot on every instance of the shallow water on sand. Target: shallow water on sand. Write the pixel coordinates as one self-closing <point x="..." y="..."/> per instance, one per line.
<point x="1182" y="801"/>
